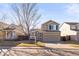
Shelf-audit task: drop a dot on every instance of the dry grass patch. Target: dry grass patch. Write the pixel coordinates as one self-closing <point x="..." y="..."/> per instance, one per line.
<point x="38" y="44"/>
<point x="25" y="45"/>
<point x="8" y="43"/>
<point x="21" y="44"/>
<point x="41" y="44"/>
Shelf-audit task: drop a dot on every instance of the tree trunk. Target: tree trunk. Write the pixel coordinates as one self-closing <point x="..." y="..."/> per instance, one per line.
<point x="28" y="33"/>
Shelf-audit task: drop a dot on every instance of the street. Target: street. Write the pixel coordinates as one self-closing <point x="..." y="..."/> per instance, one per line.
<point x="38" y="51"/>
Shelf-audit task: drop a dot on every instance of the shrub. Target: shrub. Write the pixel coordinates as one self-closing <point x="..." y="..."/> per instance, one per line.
<point x="22" y="37"/>
<point x="63" y="38"/>
<point x="40" y="44"/>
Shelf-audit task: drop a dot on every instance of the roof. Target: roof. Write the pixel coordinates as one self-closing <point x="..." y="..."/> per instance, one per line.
<point x="3" y="25"/>
<point x="69" y="23"/>
<point x="8" y="28"/>
<point x="39" y="30"/>
<point x="50" y="21"/>
<point x="72" y="23"/>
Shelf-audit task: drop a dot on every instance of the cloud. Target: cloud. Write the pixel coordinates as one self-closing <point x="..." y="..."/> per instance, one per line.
<point x="72" y="9"/>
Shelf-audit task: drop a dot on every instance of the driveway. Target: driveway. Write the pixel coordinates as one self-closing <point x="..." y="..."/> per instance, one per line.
<point x="58" y="45"/>
<point x="38" y="51"/>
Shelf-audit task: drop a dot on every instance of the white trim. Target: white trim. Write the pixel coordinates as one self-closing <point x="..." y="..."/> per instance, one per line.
<point x="53" y="27"/>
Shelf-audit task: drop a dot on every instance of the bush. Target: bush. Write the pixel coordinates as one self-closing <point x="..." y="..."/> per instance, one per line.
<point x="22" y="37"/>
<point x="40" y="44"/>
<point x="25" y="44"/>
<point x="63" y="38"/>
<point x="68" y="37"/>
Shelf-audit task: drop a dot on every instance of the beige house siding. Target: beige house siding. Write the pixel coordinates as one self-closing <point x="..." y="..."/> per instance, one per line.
<point x="46" y="34"/>
<point x="6" y="31"/>
<point x="2" y="35"/>
<point x="45" y="25"/>
<point x="51" y="36"/>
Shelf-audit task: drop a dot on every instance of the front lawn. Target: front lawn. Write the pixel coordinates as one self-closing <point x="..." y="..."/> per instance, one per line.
<point x="40" y="44"/>
<point x="8" y="43"/>
<point x="21" y="43"/>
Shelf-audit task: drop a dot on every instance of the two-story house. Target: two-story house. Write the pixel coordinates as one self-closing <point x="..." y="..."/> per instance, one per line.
<point x="70" y="29"/>
<point x="49" y="31"/>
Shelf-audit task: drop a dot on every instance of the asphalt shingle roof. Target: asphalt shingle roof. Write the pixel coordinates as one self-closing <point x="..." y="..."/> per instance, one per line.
<point x="72" y="23"/>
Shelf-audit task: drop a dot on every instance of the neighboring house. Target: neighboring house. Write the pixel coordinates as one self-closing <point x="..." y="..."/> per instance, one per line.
<point x="9" y="32"/>
<point x="70" y="29"/>
<point x="36" y="34"/>
<point x="49" y="31"/>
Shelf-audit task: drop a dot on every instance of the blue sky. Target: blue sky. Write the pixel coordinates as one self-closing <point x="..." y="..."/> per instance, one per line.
<point x="59" y="12"/>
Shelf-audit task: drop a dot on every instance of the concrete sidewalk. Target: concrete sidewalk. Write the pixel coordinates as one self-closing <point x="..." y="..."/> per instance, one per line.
<point x="59" y="45"/>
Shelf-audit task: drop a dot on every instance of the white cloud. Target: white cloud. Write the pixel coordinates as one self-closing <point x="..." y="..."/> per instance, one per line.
<point x="72" y="9"/>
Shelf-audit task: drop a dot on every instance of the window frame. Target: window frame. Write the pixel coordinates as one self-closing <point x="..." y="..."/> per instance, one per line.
<point x="73" y="27"/>
<point x="53" y="27"/>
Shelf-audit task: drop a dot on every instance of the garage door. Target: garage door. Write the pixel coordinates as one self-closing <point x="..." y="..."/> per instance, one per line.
<point x="50" y="37"/>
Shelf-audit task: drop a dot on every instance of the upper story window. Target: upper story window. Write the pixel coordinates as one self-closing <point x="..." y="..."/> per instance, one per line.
<point x="73" y="27"/>
<point x="77" y="26"/>
<point x="52" y="27"/>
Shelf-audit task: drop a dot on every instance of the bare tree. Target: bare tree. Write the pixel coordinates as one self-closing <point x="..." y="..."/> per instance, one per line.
<point x="3" y="19"/>
<point x="27" y="16"/>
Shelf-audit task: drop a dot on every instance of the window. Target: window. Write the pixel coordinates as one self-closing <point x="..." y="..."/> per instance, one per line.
<point x="78" y="27"/>
<point x="53" y="27"/>
<point x="73" y="26"/>
<point x="56" y="27"/>
<point x="50" y="27"/>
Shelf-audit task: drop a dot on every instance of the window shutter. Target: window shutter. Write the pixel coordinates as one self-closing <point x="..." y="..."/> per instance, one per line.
<point x="49" y="27"/>
<point x="56" y="27"/>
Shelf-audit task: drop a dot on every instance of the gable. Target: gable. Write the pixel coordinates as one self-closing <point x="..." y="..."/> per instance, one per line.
<point x="3" y="25"/>
<point x="50" y="25"/>
<point x="50" y="22"/>
<point x="64" y="26"/>
<point x="72" y="23"/>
